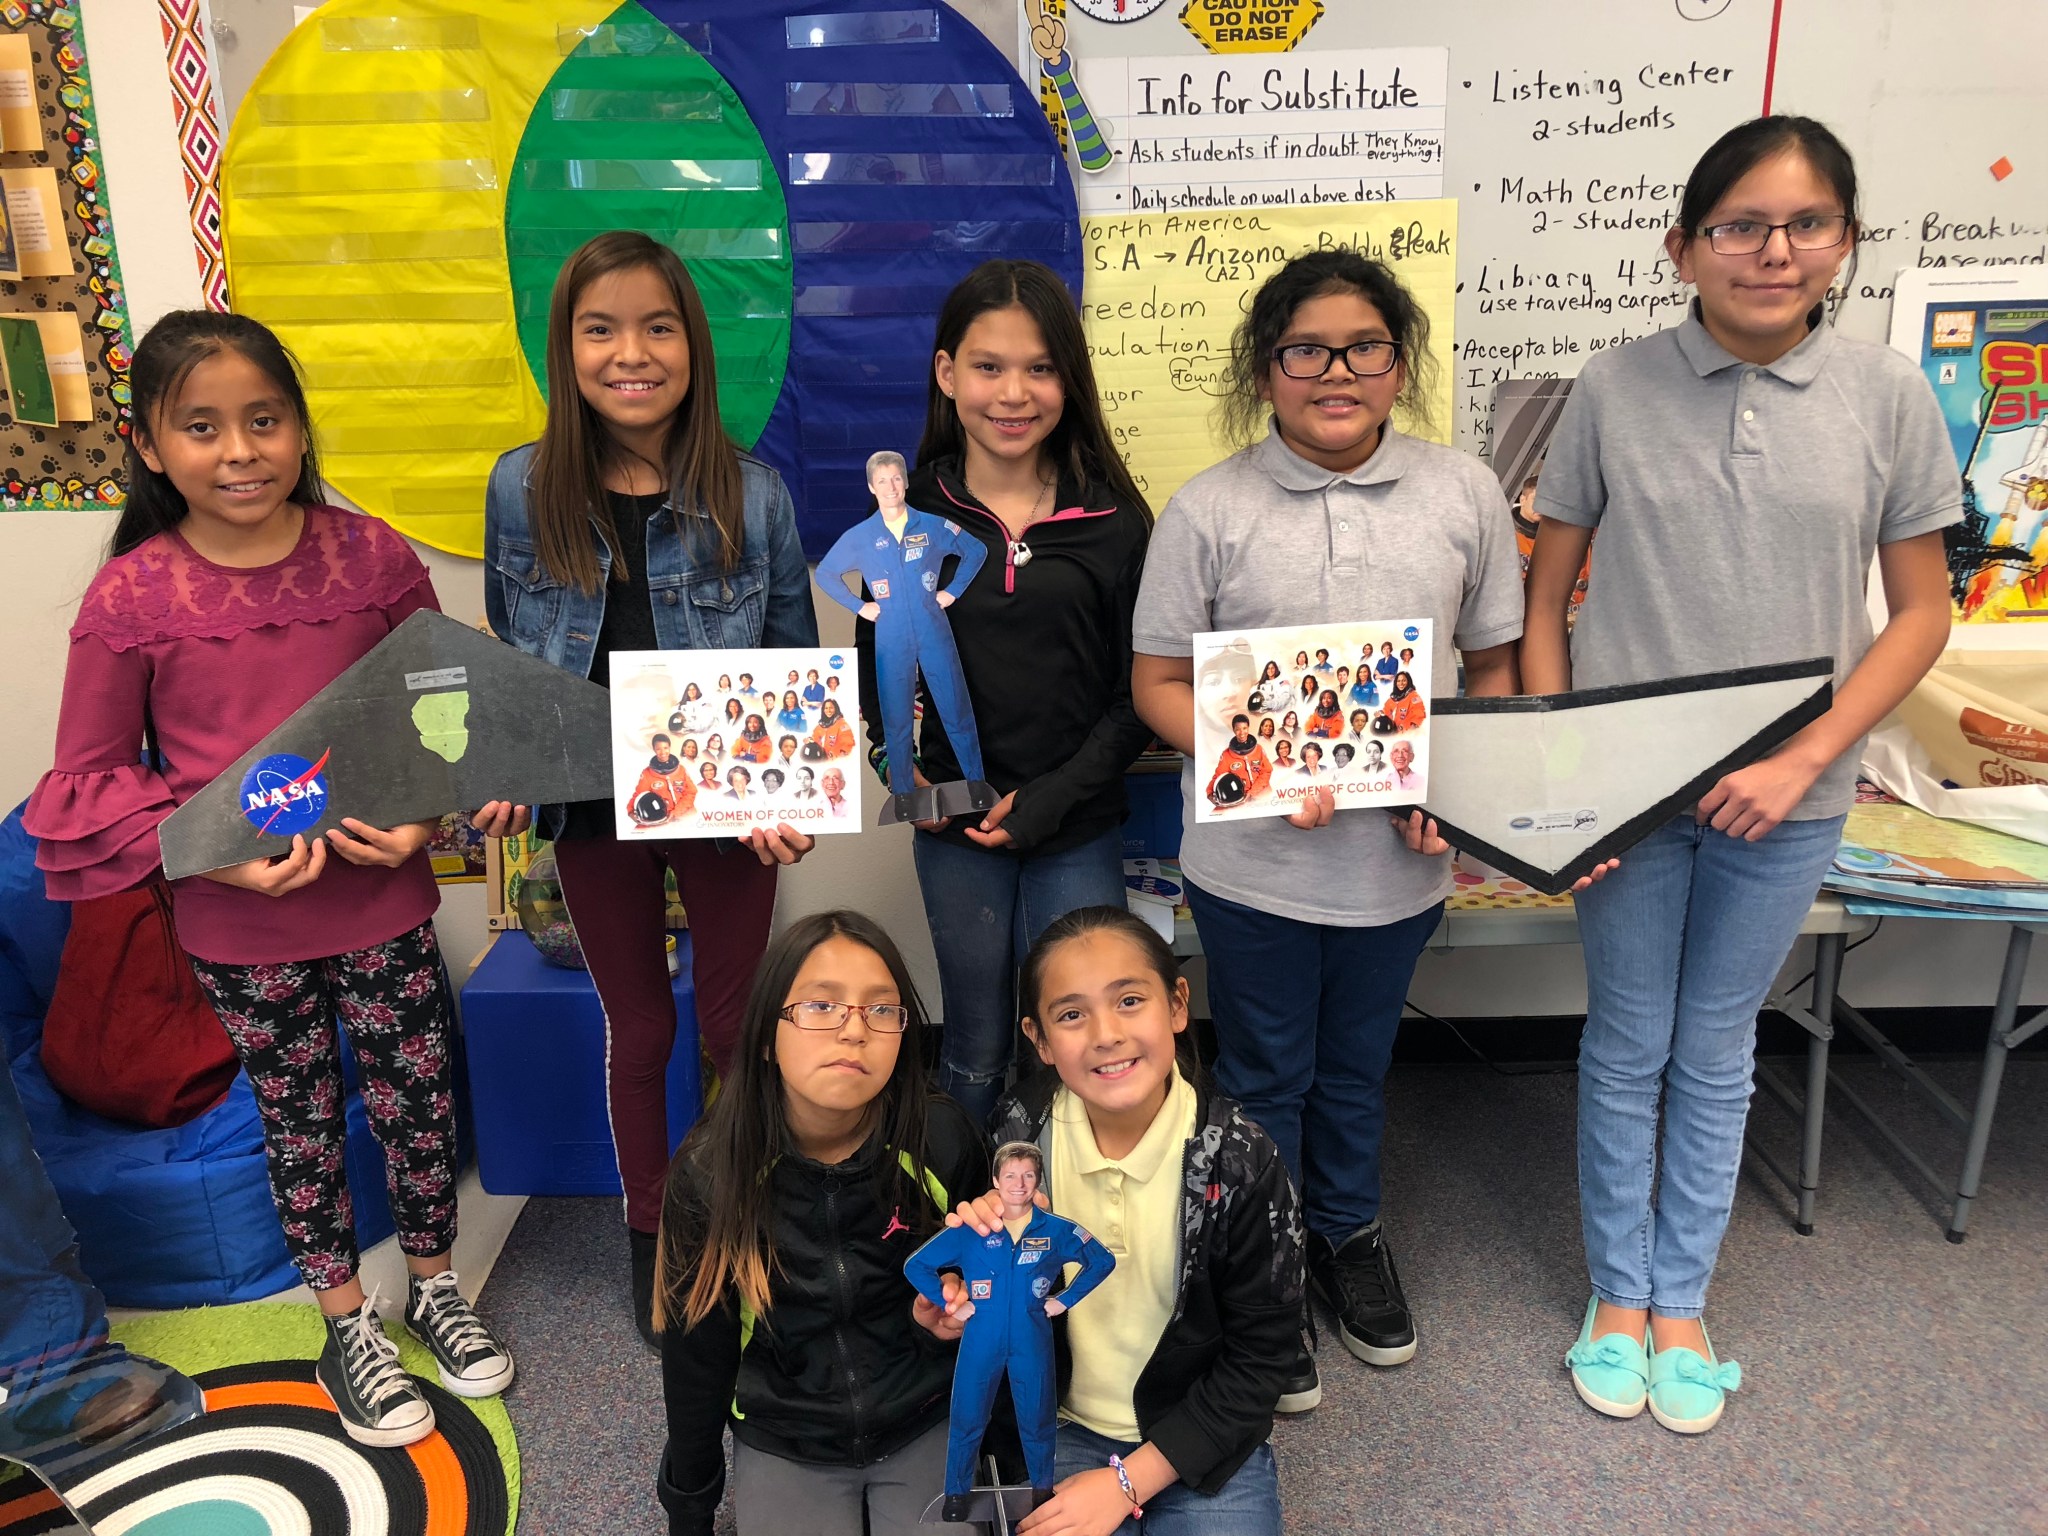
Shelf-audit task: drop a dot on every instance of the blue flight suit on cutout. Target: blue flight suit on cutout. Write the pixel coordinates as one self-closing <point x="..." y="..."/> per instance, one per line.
<point x="912" y="635"/>
<point x="1008" y="1284"/>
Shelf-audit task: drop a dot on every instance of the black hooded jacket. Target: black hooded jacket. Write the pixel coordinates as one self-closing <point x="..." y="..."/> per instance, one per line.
<point x="836" y="1372"/>
<point x="1206" y="1396"/>
<point x="1046" y="647"/>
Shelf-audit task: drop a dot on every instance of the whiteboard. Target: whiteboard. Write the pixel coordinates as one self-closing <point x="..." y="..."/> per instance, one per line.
<point x="1570" y="125"/>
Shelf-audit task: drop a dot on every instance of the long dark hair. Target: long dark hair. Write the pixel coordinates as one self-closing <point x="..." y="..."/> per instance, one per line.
<point x="733" y="1149"/>
<point x="701" y="465"/>
<point x="164" y="359"/>
<point x="1079" y="444"/>
<point x="1084" y="922"/>
<point x="1746" y="146"/>
<point x="1319" y="273"/>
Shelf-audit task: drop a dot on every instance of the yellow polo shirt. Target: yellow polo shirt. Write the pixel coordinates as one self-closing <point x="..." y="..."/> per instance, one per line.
<point x="1132" y="1207"/>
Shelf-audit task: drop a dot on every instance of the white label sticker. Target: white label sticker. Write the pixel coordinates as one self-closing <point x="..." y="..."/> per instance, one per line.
<point x="25" y="213"/>
<point x="15" y="90"/>
<point x="441" y="677"/>
<point x="65" y="362"/>
<point x="1540" y="822"/>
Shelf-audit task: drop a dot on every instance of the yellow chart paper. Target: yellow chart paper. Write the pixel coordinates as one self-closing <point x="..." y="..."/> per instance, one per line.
<point x="1165" y="291"/>
<point x="36" y="213"/>
<point x="21" y="125"/>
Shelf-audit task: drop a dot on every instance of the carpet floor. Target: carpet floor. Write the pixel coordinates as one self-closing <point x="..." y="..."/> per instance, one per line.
<point x="1894" y="1383"/>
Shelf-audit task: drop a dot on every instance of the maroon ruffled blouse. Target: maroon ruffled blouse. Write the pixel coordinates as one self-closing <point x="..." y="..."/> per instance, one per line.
<point x="221" y="656"/>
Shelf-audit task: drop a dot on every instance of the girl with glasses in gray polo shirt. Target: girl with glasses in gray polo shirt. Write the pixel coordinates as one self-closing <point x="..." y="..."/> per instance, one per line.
<point x="1312" y="930"/>
<point x="1742" y="469"/>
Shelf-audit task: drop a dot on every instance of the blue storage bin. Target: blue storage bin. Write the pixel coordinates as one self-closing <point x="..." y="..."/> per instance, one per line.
<point x="535" y="1037"/>
<point x="1152" y="830"/>
<point x="165" y="1218"/>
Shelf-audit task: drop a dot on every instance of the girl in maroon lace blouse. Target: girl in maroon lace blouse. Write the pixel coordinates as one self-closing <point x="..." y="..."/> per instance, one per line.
<point x="233" y="595"/>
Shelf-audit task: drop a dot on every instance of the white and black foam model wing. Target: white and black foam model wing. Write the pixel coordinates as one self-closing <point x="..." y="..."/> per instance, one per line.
<point x="1549" y="787"/>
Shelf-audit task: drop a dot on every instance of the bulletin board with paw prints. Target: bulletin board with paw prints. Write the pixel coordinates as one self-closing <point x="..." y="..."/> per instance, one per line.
<point x="51" y="149"/>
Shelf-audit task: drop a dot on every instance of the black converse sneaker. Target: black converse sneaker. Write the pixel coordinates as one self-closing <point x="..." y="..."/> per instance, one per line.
<point x="472" y="1363"/>
<point x="379" y="1404"/>
<point x="1358" y="1283"/>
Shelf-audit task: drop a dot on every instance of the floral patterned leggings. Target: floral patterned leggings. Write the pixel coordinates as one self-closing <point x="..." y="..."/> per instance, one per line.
<point x="281" y="1019"/>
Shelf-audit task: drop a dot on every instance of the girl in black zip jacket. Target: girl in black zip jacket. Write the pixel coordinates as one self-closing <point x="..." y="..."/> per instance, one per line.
<point x="790" y="1209"/>
<point x="1017" y="453"/>
<point x="1179" y="1423"/>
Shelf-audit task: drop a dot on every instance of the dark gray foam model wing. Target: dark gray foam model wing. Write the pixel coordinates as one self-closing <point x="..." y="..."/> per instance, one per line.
<point x="1547" y="788"/>
<point x="438" y="717"/>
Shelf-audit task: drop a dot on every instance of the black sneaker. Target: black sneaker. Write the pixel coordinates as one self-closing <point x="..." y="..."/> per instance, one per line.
<point x="358" y="1368"/>
<point x="472" y="1363"/>
<point x="1304" y="1388"/>
<point x="643" y="1245"/>
<point x="1358" y="1283"/>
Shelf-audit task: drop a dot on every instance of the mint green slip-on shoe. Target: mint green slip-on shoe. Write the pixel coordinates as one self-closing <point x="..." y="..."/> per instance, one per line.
<point x="1689" y="1390"/>
<point x="1611" y="1372"/>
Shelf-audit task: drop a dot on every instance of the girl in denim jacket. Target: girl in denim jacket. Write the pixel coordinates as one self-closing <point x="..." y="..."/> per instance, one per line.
<point x="635" y="524"/>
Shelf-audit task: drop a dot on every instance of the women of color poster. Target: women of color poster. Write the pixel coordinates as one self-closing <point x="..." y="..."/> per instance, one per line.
<point x="1280" y="713"/>
<point x="716" y="743"/>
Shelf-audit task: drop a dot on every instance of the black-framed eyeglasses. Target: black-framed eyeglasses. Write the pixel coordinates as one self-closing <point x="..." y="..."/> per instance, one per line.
<point x="1745" y="237"/>
<point x="1311" y="359"/>
<point x="883" y="1018"/>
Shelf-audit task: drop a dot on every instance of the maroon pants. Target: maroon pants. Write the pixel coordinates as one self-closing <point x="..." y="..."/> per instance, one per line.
<point x="615" y="895"/>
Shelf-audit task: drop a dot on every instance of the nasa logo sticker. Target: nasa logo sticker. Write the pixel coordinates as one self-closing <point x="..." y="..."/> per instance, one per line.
<point x="1410" y="633"/>
<point x="284" y="794"/>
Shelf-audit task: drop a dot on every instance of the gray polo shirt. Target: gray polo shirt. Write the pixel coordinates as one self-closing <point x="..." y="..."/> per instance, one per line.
<point x="1266" y="538"/>
<point x="1739" y="506"/>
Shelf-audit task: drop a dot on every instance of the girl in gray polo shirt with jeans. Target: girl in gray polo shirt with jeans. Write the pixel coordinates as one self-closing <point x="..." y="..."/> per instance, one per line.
<point x="1312" y="930"/>
<point x="1742" y="468"/>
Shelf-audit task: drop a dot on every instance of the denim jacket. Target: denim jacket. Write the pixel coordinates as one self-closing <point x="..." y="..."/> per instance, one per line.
<point x="764" y="600"/>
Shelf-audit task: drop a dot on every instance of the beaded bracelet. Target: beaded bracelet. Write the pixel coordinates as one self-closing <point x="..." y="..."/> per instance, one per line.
<point x="1123" y="1481"/>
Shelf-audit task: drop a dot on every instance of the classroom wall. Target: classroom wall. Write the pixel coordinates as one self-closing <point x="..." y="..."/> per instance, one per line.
<point x="50" y="556"/>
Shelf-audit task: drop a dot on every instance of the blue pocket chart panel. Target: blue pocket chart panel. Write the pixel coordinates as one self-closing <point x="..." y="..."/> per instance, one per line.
<point x="910" y="153"/>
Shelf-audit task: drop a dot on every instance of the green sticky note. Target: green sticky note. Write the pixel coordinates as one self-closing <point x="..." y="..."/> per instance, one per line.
<point x="442" y="721"/>
<point x="32" y="398"/>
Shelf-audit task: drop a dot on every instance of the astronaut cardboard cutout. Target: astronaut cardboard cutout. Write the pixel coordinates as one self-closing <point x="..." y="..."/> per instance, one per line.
<point x="896" y="554"/>
<point x="1010" y="1278"/>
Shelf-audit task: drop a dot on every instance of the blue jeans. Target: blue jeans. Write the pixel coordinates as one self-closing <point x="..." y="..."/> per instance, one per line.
<point x="1247" y="1505"/>
<point x="986" y="909"/>
<point x="1305" y="1020"/>
<point x="50" y="1314"/>
<point x="1682" y="944"/>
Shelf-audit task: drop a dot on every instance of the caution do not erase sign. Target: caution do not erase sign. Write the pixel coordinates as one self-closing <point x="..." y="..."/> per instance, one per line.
<point x="1247" y="26"/>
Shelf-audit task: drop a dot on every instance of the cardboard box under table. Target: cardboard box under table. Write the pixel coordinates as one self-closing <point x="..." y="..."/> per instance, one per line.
<point x="535" y="1034"/>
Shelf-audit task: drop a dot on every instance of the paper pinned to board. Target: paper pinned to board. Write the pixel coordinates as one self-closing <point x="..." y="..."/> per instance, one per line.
<point x="21" y="124"/>
<point x="1165" y="291"/>
<point x="1549" y="787"/>
<point x="370" y="746"/>
<point x="35" y="215"/>
<point x="31" y="394"/>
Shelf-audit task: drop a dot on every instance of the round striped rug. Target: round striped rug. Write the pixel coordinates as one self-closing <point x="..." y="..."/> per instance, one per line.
<point x="269" y="1458"/>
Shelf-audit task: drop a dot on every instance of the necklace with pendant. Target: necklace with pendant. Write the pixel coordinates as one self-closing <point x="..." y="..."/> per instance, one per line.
<point x="1020" y="552"/>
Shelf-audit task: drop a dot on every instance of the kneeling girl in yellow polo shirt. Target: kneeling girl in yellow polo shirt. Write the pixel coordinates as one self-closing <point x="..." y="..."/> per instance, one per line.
<point x="1168" y="1382"/>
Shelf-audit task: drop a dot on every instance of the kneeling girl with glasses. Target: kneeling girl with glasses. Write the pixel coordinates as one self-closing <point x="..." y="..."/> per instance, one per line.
<point x="790" y="1208"/>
